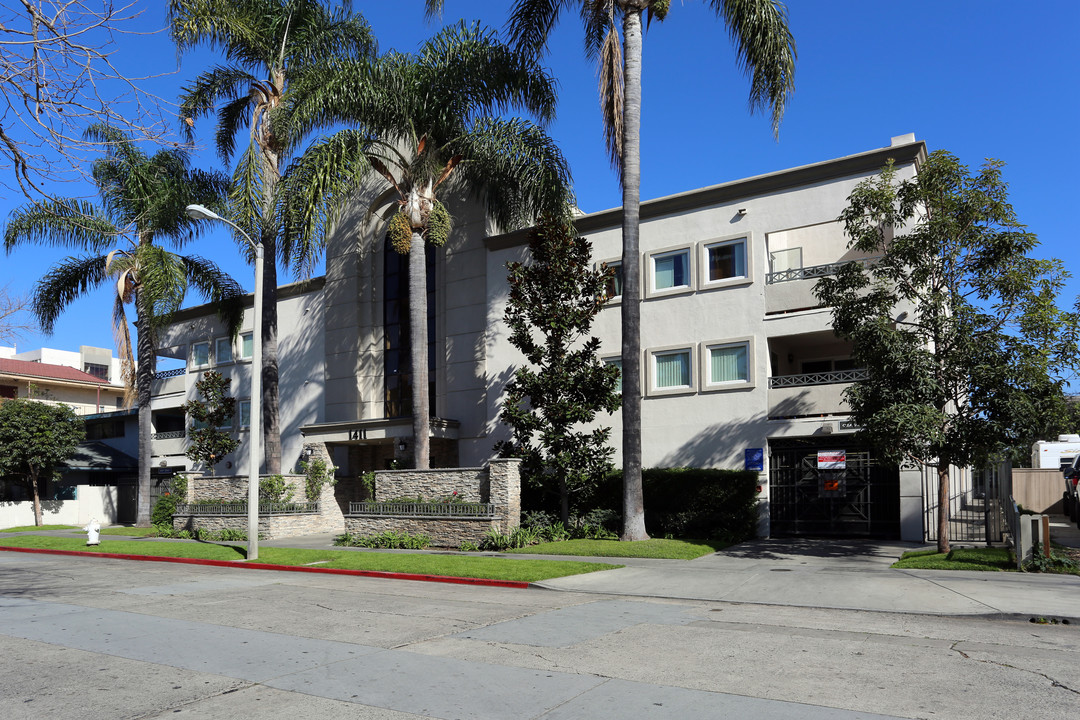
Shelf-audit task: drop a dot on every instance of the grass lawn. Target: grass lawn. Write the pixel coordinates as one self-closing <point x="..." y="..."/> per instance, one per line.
<point x="653" y="548"/>
<point x="524" y="570"/>
<point x="129" y="531"/>
<point x="29" y="528"/>
<point x="991" y="559"/>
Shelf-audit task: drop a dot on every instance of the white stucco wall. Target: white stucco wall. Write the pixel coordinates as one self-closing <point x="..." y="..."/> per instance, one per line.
<point x="90" y="503"/>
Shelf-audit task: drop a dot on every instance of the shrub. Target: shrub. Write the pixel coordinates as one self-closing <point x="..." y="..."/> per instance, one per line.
<point x="468" y="547"/>
<point x="317" y="473"/>
<point x="389" y="540"/>
<point x="165" y="507"/>
<point x="275" y="489"/>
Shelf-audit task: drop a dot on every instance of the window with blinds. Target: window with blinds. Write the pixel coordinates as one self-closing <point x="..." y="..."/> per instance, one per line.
<point x="672" y="370"/>
<point x="729" y="364"/>
<point x="671" y="270"/>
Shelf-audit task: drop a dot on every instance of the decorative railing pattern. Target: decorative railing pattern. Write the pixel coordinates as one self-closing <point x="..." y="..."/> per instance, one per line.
<point x="458" y="510"/>
<point x="241" y="508"/>
<point x="812" y="271"/>
<point x="171" y="435"/>
<point x="824" y="378"/>
<point x="165" y="374"/>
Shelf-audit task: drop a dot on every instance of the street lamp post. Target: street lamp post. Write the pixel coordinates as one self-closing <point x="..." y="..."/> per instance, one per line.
<point x="198" y="212"/>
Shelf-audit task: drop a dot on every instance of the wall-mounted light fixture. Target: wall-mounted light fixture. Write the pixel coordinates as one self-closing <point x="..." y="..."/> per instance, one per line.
<point x="402" y="445"/>
<point x="742" y="211"/>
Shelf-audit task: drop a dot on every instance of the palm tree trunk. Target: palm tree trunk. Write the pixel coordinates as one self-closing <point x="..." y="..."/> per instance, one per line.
<point x="271" y="430"/>
<point x="270" y="394"/>
<point x="633" y="498"/>
<point x="418" y="340"/>
<point x="144" y="375"/>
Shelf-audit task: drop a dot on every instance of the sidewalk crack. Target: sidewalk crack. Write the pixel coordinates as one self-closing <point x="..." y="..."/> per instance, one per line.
<point x="1052" y="681"/>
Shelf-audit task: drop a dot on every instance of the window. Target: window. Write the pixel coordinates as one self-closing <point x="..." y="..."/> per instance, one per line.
<point x="671" y="270"/>
<point x="243" y="412"/>
<point x="9" y="392"/>
<point x="223" y="350"/>
<point x="101" y="372"/>
<point x="246" y="346"/>
<point x="200" y="354"/>
<point x="729" y="364"/>
<point x="615" y="283"/>
<point x="672" y="370"/>
<point x="726" y="260"/>
<point x="616" y="363"/>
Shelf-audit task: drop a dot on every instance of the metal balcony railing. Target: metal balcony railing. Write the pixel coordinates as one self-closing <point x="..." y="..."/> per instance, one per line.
<point x="169" y="374"/>
<point x="240" y="508"/>
<point x="812" y="271"/>
<point x="824" y="378"/>
<point x="458" y="510"/>
<point x="172" y="435"/>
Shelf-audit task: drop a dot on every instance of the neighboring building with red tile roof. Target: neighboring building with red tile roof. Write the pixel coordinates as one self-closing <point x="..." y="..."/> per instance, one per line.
<point x="85" y="393"/>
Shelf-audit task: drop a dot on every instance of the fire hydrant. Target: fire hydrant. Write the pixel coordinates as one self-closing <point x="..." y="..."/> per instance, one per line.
<point x="93" y="533"/>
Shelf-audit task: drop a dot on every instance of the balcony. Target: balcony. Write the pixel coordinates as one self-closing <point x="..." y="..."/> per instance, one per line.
<point x="793" y="289"/>
<point x="169" y="443"/>
<point x="810" y="394"/>
<point x="169" y="382"/>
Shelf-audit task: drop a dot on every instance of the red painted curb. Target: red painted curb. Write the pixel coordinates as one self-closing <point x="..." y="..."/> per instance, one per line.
<point x="517" y="584"/>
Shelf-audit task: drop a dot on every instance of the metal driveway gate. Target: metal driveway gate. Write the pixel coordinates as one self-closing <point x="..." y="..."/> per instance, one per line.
<point x="831" y="489"/>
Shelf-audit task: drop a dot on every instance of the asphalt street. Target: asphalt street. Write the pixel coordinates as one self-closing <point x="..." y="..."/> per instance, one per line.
<point x="97" y="638"/>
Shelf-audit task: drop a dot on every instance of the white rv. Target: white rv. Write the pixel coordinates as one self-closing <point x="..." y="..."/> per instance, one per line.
<point x="1055" y="455"/>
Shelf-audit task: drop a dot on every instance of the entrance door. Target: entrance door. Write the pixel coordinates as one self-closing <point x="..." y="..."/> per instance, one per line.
<point x="831" y="488"/>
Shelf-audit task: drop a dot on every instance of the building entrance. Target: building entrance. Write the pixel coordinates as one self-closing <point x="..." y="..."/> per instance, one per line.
<point x="830" y="487"/>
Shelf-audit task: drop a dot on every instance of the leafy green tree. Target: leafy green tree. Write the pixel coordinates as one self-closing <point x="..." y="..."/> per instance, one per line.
<point x="551" y="401"/>
<point x="429" y="119"/>
<point x="207" y="442"/>
<point x="268" y="45"/>
<point x="142" y="202"/>
<point x="766" y="52"/>
<point x="35" y="438"/>
<point x="957" y="325"/>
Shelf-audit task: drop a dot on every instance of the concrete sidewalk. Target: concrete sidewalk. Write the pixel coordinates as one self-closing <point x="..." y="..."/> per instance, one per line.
<point x="836" y="574"/>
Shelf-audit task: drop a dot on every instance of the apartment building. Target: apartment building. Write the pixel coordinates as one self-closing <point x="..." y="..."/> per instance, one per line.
<point x="741" y="367"/>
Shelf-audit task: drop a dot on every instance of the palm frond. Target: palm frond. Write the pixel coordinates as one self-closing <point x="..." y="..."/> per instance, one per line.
<point x="765" y="49"/>
<point x="531" y="22"/>
<point x="122" y="337"/>
<point x="216" y="286"/>
<point x="222" y="83"/>
<point x="516" y="169"/>
<point x="63" y="284"/>
<point x="313" y="192"/>
<point x="162" y="282"/>
<point x="68" y="223"/>
<point x="611" y="97"/>
<point x="246" y="194"/>
<point x="242" y="29"/>
<point x="469" y="72"/>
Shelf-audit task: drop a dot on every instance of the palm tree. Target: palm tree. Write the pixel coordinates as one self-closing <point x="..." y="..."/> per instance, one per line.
<point x="766" y="52"/>
<point x="268" y="44"/>
<point x="142" y="201"/>
<point x="434" y="117"/>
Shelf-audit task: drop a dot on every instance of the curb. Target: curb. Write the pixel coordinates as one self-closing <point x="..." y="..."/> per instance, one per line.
<point x="515" y="584"/>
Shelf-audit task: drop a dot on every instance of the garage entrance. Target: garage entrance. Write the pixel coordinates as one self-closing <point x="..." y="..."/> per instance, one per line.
<point x="829" y="487"/>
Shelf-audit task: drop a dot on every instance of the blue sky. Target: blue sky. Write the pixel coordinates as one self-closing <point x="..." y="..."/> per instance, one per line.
<point x="978" y="78"/>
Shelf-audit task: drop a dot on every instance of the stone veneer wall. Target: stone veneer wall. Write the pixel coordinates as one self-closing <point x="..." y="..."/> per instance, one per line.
<point x="329" y="519"/>
<point x="498" y="483"/>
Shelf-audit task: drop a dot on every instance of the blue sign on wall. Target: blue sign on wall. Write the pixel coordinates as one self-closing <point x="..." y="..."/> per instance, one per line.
<point x="755" y="458"/>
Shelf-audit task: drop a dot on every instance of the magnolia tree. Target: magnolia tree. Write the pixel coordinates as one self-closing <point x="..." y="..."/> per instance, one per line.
<point x="552" y="401"/>
<point x="956" y="323"/>
<point x="209" y="444"/>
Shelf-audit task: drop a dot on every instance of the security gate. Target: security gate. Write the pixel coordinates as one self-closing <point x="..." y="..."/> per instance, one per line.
<point x="831" y="489"/>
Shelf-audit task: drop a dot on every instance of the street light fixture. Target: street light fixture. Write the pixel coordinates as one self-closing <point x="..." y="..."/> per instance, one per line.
<point x="198" y="212"/>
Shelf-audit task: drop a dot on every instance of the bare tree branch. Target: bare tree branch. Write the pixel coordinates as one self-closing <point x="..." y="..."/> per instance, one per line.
<point x="14" y="320"/>
<point x="58" y="76"/>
